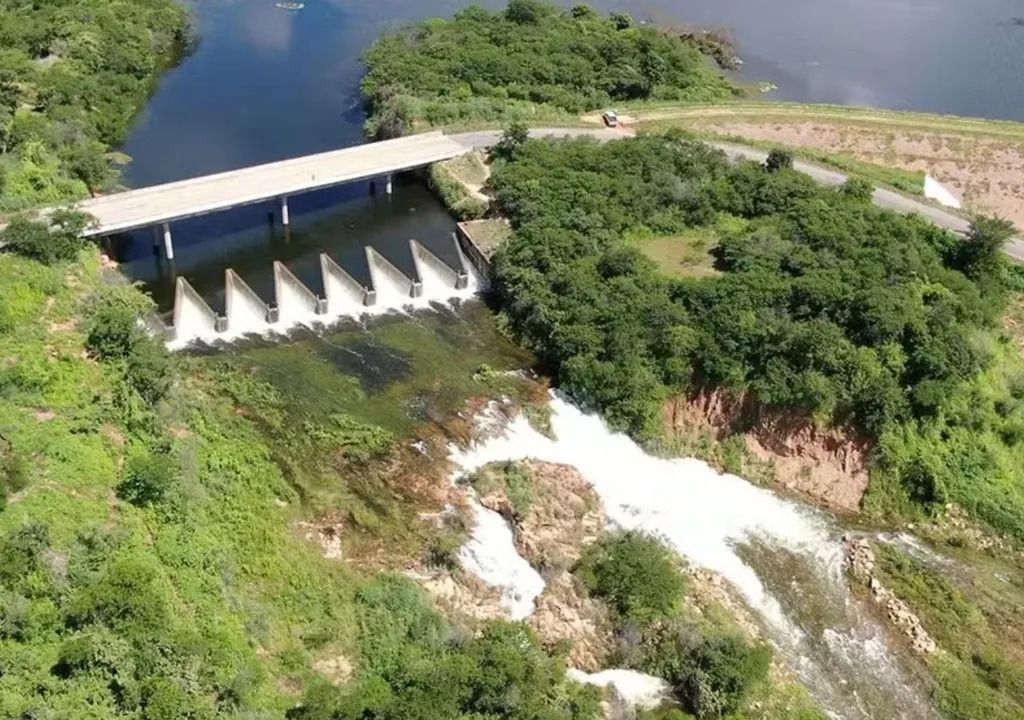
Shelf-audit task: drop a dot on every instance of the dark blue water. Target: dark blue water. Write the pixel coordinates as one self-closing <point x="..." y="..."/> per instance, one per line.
<point x="266" y="84"/>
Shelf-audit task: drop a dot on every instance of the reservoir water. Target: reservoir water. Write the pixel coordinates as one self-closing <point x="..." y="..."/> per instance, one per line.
<point x="265" y="84"/>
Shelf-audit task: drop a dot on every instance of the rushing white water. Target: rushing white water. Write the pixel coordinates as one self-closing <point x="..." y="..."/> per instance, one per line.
<point x="636" y="688"/>
<point x="491" y="555"/>
<point x="784" y="558"/>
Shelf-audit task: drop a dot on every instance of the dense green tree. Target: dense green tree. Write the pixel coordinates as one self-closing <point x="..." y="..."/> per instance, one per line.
<point x="635" y="575"/>
<point x="980" y="254"/>
<point x="511" y="141"/>
<point x="826" y="305"/>
<point x="72" y="75"/>
<point x="778" y="160"/>
<point x="534" y="56"/>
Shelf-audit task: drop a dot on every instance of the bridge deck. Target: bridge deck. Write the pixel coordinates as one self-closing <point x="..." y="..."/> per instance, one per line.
<point x="185" y="198"/>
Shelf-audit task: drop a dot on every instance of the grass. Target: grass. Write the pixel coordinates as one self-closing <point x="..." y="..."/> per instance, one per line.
<point x="908" y="182"/>
<point x="978" y="159"/>
<point x="975" y="612"/>
<point x="488" y="234"/>
<point x="470" y="169"/>
<point x="656" y="114"/>
<point x="689" y="254"/>
<point x="686" y="255"/>
<point x="256" y="437"/>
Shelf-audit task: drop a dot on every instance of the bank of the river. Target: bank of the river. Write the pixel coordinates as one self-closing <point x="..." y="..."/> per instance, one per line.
<point x="74" y="78"/>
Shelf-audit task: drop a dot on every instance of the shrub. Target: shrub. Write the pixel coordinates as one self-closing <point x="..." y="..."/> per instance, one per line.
<point x="49" y="243"/>
<point x="148" y="479"/>
<point x="858" y="189"/>
<point x="512" y="478"/>
<point x="712" y="672"/>
<point x="635" y="575"/>
<point x="719" y="673"/>
<point x="116" y="334"/>
<point x="778" y="160"/>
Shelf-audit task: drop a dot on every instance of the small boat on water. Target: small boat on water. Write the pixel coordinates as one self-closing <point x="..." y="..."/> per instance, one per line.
<point x="290" y="5"/>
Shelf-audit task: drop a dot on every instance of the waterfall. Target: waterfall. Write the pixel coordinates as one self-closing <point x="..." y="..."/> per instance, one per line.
<point x="193" y="317"/>
<point x="785" y="559"/>
<point x="491" y="555"/>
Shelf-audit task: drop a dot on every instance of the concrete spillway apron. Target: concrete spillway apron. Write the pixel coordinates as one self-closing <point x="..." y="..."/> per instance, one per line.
<point x="344" y="293"/>
<point x="430" y="268"/>
<point x="388" y="281"/>
<point x="193" y="317"/>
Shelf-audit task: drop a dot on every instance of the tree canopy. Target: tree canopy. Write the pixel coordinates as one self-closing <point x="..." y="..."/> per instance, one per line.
<point x="484" y="65"/>
<point x="824" y="303"/>
<point x="73" y="73"/>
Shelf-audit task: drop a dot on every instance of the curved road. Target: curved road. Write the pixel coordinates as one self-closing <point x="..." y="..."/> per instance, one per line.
<point x="883" y="197"/>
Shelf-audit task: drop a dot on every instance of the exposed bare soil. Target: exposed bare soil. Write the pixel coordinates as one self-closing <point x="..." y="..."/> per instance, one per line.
<point x="987" y="173"/>
<point x="828" y="466"/>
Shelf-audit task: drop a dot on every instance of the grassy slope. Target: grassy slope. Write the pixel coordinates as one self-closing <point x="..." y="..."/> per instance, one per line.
<point x="240" y="578"/>
<point x="652" y="113"/>
<point x="979" y="159"/>
<point x="974" y="609"/>
<point x="257" y="603"/>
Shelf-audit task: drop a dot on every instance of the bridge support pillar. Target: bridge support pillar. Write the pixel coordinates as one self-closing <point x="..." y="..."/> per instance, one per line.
<point x="168" y="245"/>
<point x="387" y="184"/>
<point x="284" y="211"/>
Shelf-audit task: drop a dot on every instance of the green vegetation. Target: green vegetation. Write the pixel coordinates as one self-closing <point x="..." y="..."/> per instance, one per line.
<point x="636" y="576"/>
<point x="415" y="674"/>
<point x="713" y="671"/>
<point x="72" y="75"/>
<point x="515" y="480"/>
<point x="975" y="616"/>
<point x="154" y="564"/>
<point x="662" y="116"/>
<point x="906" y="181"/>
<point x="58" y="240"/>
<point x="689" y="253"/>
<point x="825" y="304"/>
<point x="457" y="183"/>
<point x="530" y="61"/>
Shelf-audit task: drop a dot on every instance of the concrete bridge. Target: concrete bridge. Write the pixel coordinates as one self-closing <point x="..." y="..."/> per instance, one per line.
<point x="159" y="205"/>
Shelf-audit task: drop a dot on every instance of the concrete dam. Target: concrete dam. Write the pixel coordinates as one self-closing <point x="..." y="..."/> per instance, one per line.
<point x="295" y="304"/>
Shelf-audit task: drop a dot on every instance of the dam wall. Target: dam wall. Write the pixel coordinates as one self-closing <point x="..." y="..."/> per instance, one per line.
<point x="245" y="311"/>
<point x="344" y="294"/>
<point x="295" y="305"/>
